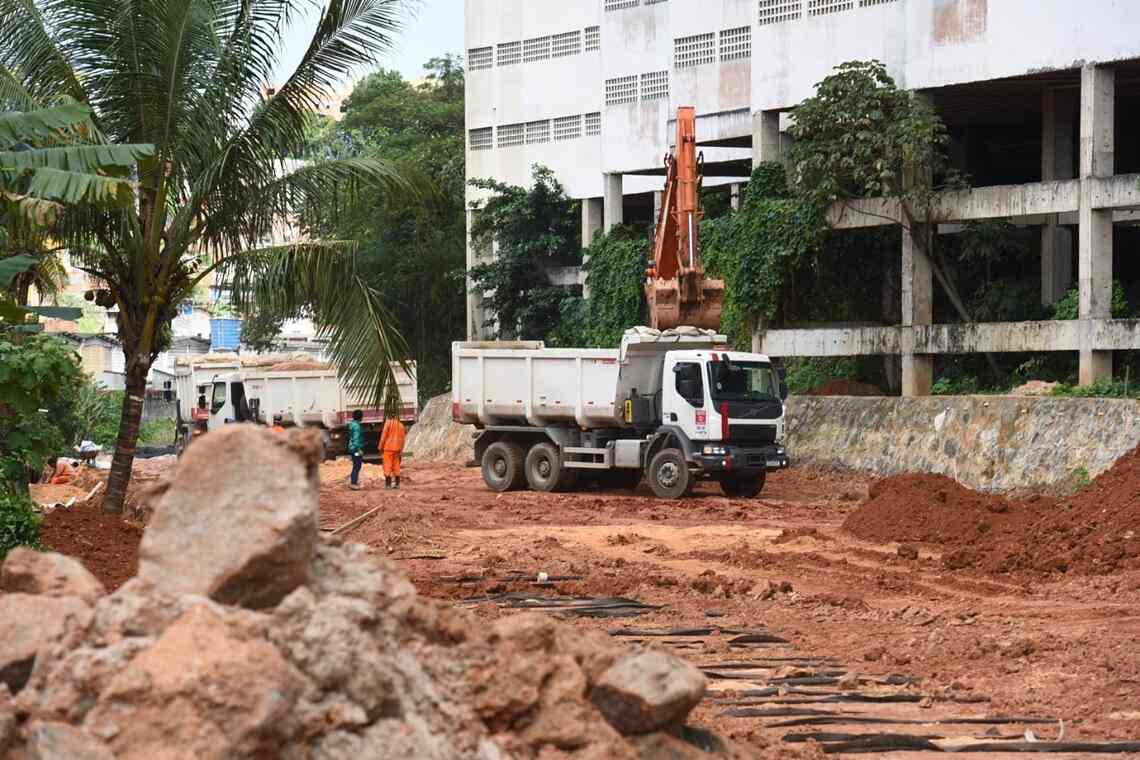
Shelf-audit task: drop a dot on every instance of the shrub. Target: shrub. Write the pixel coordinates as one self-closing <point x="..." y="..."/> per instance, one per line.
<point x="19" y="523"/>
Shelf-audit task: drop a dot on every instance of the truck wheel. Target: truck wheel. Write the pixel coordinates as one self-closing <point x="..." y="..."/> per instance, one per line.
<point x="545" y="471"/>
<point x="503" y="467"/>
<point x="742" y="486"/>
<point x="669" y="474"/>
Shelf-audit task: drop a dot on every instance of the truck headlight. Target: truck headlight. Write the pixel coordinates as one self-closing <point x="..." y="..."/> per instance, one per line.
<point x="714" y="450"/>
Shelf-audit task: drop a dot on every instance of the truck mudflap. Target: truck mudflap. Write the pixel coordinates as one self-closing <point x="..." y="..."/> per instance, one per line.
<point x="726" y="457"/>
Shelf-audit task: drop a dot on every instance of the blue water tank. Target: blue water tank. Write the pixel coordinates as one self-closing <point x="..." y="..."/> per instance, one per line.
<point x="225" y="334"/>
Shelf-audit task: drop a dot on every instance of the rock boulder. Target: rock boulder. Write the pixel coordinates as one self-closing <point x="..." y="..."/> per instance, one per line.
<point x="29" y="623"/>
<point x="648" y="691"/>
<point x="27" y="571"/>
<point x="239" y="523"/>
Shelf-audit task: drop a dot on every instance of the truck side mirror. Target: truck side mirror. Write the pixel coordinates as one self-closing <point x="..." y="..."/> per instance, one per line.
<point x="784" y="389"/>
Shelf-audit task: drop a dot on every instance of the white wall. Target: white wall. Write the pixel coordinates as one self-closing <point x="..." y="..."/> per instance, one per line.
<point x="932" y="43"/>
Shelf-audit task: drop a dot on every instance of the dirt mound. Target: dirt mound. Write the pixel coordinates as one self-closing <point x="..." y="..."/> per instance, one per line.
<point x="1095" y="531"/>
<point x="1034" y="388"/>
<point x="107" y="545"/>
<point x="45" y="493"/>
<point x="341" y="660"/>
<point x="300" y="366"/>
<point x="845" y="388"/>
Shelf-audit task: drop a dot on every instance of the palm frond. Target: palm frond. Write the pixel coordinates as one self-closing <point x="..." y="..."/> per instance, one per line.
<point x="75" y="158"/>
<point x="12" y="267"/>
<point x="322" y="275"/>
<point x="32" y="52"/>
<point x="42" y="124"/>
<point x="76" y="187"/>
<point x="14" y="96"/>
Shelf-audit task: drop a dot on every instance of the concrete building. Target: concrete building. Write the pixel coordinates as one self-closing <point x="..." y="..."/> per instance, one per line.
<point x="1041" y="97"/>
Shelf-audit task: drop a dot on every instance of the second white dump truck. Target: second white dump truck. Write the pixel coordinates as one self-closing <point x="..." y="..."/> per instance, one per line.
<point x="675" y="407"/>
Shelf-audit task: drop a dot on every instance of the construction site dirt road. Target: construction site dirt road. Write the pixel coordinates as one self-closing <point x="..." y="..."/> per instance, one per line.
<point x="868" y="615"/>
<point x="962" y="638"/>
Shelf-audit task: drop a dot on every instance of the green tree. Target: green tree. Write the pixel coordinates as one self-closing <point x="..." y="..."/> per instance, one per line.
<point x="188" y="77"/>
<point x="39" y="377"/>
<point x="412" y="246"/>
<point x="533" y="230"/>
<point x="861" y="135"/>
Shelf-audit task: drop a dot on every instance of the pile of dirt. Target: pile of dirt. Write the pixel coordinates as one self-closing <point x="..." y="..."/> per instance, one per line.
<point x="1097" y="530"/>
<point x="45" y="493"/>
<point x="1034" y="388"/>
<point x="244" y="634"/>
<point x="106" y="544"/>
<point x="845" y="388"/>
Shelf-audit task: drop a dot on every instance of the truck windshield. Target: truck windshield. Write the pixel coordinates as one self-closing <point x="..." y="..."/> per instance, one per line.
<point x="743" y="381"/>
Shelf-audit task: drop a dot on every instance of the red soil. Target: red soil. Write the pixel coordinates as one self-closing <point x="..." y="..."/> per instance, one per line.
<point x="106" y="544"/>
<point x="1095" y="531"/>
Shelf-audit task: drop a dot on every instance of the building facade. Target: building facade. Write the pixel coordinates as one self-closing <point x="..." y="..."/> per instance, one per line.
<point x="1041" y="98"/>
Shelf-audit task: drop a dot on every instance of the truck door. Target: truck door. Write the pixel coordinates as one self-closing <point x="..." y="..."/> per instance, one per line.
<point x="219" y="408"/>
<point x="683" y="400"/>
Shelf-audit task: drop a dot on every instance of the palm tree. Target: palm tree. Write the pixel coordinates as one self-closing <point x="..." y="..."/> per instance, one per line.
<point x="193" y="78"/>
<point x="47" y="161"/>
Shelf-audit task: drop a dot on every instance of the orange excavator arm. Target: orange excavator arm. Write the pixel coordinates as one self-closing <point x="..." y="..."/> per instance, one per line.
<point x="675" y="287"/>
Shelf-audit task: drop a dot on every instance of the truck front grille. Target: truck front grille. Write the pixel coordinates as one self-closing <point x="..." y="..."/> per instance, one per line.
<point x="757" y="435"/>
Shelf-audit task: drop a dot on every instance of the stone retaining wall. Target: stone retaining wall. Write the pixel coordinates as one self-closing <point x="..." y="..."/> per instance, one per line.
<point x="992" y="443"/>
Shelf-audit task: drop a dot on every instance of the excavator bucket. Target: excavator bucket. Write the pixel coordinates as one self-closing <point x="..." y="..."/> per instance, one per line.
<point x="667" y="311"/>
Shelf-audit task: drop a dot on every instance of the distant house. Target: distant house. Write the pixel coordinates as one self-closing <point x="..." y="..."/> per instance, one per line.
<point x="100" y="357"/>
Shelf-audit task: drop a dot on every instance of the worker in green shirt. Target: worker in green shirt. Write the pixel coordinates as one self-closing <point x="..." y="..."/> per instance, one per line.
<point x="356" y="447"/>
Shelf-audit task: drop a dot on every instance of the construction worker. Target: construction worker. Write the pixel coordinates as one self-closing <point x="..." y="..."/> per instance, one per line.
<point x="392" y="449"/>
<point x="356" y="447"/>
<point x="277" y="426"/>
<point x="62" y="472"/>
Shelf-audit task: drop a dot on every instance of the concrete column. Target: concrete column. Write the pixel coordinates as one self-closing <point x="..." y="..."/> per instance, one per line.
<point x="475" y="316"/>
<point x="1057" y="127"/>
<point x="917" y="310"/>
<point x="734" y="198"/>
<point x="766" y="137"/>
<point x="591" y="226"/>
<point x="1098" y="94"/>
<point x="614" y="211"/>
<point x="658" y="202"/>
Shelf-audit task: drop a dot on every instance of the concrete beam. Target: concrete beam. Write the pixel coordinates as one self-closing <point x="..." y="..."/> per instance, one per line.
<point x="614" y="201"/>
<point x="996" y="337"/>
<point x="1094" y="247"/>
<point x="1120" y="192"/>
<point x="766" y="137"/>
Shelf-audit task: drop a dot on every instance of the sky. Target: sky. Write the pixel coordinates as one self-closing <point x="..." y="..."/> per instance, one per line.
<point x="436" y="28"/>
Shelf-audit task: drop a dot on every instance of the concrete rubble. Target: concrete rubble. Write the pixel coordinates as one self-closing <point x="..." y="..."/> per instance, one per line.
<point x="245" y="635"/>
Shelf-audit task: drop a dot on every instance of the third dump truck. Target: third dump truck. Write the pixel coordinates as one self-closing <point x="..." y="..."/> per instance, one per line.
<point x="674" y="406"/>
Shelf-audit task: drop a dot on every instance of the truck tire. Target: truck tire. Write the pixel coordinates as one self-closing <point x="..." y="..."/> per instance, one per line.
<point x="669" y="475"/>
<point x="503" y="467"/>
<point x="742" y="486"/>
<point x="545" y="471"/>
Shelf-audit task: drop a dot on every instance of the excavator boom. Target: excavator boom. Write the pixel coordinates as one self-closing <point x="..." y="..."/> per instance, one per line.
<point x="676" y="287"/>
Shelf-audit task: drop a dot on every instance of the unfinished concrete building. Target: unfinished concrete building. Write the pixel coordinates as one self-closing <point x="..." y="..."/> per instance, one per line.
<point x="1041" y="98"/>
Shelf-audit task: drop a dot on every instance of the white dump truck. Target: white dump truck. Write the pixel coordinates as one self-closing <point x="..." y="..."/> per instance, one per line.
<point x="216" y="391"/>
<point x="673" y="406"/>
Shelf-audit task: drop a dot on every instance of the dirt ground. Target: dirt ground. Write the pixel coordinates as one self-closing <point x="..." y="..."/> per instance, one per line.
<point x="847" y="634"/>
<point x="1063" y="647"/>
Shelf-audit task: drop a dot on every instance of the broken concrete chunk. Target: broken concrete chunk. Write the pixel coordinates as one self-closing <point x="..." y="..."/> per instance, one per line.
<point x="647" y="691"/>
<point x="48" y="740"/>
<point x="27" y="571"/>
<point x="29" y="623"/>
<point x="238" y="523"/>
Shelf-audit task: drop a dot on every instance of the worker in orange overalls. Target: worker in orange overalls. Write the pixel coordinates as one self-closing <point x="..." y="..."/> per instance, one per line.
<point x="392" y="449"/>
<point x="62" y="472"/>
